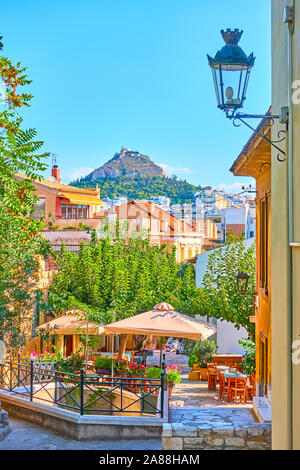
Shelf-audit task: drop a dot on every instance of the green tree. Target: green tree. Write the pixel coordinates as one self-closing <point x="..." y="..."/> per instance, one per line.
<point x="115" y="278"/>
<point x="141" y="187"/>
<point x="20" y="244"/>
<point x="219" y="296"/>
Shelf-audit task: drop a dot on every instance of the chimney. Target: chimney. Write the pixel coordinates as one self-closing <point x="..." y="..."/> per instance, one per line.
<point x="55" y="173"/>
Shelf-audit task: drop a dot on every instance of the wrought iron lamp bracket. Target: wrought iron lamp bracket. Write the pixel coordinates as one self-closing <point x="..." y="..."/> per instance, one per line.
<point x="267" y="120"/>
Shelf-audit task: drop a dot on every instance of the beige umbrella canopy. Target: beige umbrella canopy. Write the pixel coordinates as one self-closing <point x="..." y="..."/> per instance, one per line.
<point x="69" y="323"/>
<point x="162" y="321"/>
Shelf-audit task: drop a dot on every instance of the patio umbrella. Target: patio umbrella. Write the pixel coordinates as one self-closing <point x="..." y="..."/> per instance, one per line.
<point x="70" y="323"/>
<point x="74" y="321"/>
<point x="162" y="321"/>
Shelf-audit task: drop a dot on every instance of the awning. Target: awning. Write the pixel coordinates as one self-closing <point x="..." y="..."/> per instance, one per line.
<point x="82" y="199"/>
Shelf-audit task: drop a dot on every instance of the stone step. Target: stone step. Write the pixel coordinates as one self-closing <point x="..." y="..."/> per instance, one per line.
<point x="262" y="409"/>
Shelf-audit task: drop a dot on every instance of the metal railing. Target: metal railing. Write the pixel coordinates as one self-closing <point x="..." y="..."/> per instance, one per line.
<point x="85" y="394"/>
<point x="69" y="248"/>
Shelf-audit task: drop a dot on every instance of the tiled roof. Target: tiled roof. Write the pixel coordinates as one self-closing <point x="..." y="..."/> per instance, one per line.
<point x="61" y="186"/>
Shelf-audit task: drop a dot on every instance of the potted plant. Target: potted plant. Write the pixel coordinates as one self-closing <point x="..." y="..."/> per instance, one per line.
<point x="173" y="378"/>
<point x="201" y="354"/>
<point x="103" y="365"/>
<point x="121" y="367"/>
<point x="71" y="364"/>
<point x="153" y="373"/>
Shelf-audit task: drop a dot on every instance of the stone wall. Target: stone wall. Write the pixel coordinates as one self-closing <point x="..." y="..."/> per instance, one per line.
<point x="4" y="425"/>
<point x="177" y="436"/>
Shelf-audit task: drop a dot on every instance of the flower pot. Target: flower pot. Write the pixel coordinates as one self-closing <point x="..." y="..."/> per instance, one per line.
<point x="171" y="385"/>
<point x="203" y="374"/>
<point x="196" y="367"/>
<point x="103" y="370"/>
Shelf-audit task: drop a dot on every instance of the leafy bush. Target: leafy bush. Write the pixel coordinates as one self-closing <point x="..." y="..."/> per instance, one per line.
<point x="103" y="362"/>
<point x="136" y="370"/>
<point x="71" y="364"/>
<point x="202" y="353"/>
<point x="153" y="373"/>
<point x="188" y="345"/>
<point x="120" y="365"/>
<point x="173" y="377"/>
<point x="45" y="356"/>
<point x="249" y="358"/>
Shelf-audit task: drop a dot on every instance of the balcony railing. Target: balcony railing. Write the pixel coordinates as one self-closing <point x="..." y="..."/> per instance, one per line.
<point x="84" y="394"/>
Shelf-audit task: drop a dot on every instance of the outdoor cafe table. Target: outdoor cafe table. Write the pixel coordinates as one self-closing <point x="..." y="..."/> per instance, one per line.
<point x="230" y="377"/>
<point x="222" y="369"/>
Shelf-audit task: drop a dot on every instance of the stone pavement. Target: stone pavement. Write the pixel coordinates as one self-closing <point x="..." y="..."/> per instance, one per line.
<point x="212" y="417"/>
<point x="193" y="393"/>
<point x="27" y="436"/>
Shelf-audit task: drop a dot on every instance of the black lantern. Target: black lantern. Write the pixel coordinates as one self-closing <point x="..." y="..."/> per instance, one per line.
<point x="231" y="70"/>
<point x="242" y="280"/>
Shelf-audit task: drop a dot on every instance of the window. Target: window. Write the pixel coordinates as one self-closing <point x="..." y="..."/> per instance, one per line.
<point x="263" y="243"/>
<point x="74" y="211"/>
<point x="40" y="208"/>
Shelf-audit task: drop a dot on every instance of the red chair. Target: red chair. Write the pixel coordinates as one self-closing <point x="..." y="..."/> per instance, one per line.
<point x="238" y="389"/>
<point x="223" y="386"/>
<point x="212" y="374"/>
<point x="251" y="386"/>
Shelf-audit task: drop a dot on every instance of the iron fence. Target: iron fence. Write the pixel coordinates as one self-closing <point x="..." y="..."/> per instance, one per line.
<point x="82" y="393"/>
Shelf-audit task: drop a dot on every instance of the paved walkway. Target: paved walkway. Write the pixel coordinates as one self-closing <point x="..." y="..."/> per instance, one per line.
<point x="197" y="394"/>
<point x="211" y="417"/>
<point x="27" y="436"/>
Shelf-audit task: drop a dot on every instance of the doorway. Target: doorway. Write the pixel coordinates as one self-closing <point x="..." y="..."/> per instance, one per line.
<point x="68" y="345"/>
<point x="263" y="347"/>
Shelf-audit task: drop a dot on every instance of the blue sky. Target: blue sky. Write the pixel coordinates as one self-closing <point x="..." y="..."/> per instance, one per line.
<point x="134" y="73"/>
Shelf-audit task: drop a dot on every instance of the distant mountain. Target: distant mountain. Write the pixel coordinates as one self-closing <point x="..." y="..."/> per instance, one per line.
<point x="135" y="176"/>
<point x="127" y="163"/>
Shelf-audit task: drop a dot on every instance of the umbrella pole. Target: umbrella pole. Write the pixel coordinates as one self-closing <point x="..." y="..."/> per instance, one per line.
<point x="112" y="348"/>
<point x="161" y="352"/>
<point x="112" y="355"/>
<point x="86" y="342"/>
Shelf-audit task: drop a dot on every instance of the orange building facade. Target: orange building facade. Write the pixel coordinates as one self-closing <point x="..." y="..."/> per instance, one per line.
<point x="255" y="161"/>
<point x="66" y="205"/>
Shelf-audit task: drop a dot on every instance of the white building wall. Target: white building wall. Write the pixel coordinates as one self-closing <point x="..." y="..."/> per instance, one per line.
<point x="228" y="338"/>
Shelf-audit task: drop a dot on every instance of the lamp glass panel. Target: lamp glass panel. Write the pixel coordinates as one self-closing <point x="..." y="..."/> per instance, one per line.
<point x="232" y="80"/>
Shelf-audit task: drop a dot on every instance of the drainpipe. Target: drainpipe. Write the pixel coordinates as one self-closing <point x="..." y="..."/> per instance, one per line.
<point x="289" y="18"/>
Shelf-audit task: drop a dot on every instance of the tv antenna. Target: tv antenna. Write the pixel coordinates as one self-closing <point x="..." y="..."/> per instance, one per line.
<point x="54" y="162"/>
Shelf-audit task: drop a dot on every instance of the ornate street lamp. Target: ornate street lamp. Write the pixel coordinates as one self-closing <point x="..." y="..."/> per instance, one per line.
<point x="231" y="69"/>
<point x="242" y="280"/>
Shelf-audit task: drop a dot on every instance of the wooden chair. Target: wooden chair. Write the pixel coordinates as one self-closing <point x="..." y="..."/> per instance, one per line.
<point x="238" y="389"/>
<point x="212" y="374"/>
<point x="223" y="386"/>
<point x="251" y="386"/>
